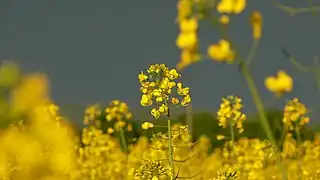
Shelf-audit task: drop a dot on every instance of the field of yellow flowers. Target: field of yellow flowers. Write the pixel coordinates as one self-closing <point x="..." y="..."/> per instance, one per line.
<point x="37" y="143"/>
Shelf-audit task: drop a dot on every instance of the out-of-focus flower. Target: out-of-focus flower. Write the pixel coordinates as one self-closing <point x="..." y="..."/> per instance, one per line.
<point x="231" y="6"/>
<point x="230" y="113"/>
<point x="256" y="23"/>
<point x="147" y="125"/>
<point x="280" y="84"/>
<point x="221" y="52"/>
<point x="295" y="114"/>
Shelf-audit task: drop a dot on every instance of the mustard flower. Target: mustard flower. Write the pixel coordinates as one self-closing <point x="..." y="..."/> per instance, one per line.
<point x="295" y="114"/>
<point x="157" y="89"/>
<point x="280" y="84"/>
<point x="256" y="23"/>
<point x="231" y="6"/>
<point x="147" y="125"/>
<point x="230" y="113"/>
<point x="221" y="52"/>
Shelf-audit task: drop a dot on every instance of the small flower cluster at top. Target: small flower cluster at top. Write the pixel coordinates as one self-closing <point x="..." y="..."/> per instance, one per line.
<point x="157" y="85"/>
<point x="295" y="114"/>
<point x="230" y="115"/>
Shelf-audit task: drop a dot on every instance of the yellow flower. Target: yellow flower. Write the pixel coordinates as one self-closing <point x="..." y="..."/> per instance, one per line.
<point x="295" y="114"/>
<point x="231" y="6"/>
<point x="188" y="57"/>
<point x="224" y="19"/>
<point x="145" y="100"/>
<point x="155" y="113"/>
<point x="186" y="100"/>
<point x="230" y="113"/>
<point x="189" y="25"/>
<point x="187" y="40"/>
<point x="220" y="137"/>
<point x="174" y="101"/>
<point x="256" y="22"/>
<point x="280" y="84"/>
<point x="147" y="125"/>
<point x="221" y="52"/>
<point x="110" y="130"/>
<point x="184" y="8"/>
<point x="32" y="91"/>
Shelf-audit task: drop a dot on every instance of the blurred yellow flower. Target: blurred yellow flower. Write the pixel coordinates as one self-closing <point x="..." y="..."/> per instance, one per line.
<point x="280" y="84"/>
<point x="184" y="8"/>
<point x="224" y="19"/>
<point x="231" y="6"/>
<point x="187" y="40"/>
<point x="221" y="52"/>
<point x="147" y="125"/>
<point x="32" y="91"/>
<point x="188" y="25"/>
<point x="256" y="23"/>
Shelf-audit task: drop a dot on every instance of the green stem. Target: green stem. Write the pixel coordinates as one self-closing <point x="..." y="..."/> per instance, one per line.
<point x="170" y="149"/>
<point x="252" y="52"/>
<point x="263" y="118"/>
<point x="232" y="138"/>
<point x="299" y="152"/>
<point x="123" y="141"/>
<point x="125" y="150"/>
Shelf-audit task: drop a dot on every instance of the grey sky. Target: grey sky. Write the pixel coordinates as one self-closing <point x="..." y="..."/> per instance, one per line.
<point x="93" y="50"/>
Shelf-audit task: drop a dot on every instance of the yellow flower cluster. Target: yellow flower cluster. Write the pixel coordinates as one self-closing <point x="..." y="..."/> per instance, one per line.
<point x="256" y="22"/>
<point x="187" y="40"/>
<point x="280" y="84"/>
<point x="156" y="86"/>
<point x="119" y="112"/>
<point x="151" y="170"/>
<point x="147" y="125"/>
<point x="295" y="114"/>
<point x="230" y="113"/>
<point x="231" y="6"/>
<point x="222" y="52"/>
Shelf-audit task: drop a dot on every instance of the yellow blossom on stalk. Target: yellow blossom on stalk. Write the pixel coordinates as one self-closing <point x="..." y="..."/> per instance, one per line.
<point x="231" y="6"/>
<point x="184" y="8"/>
<point x="188" y="57"/>
<point x="147" y="125"/>
<point x="256" y="23"/>
<point x="33" y="90"/>
<point x="280" y="84"/>
<point x="118" y="111"/>
<point x="221" y="52"/>
<point x="295" y="114"/>
<point x="90" y="114"/>
<point x="230" y="113"/>
<point x="157" y="85"/>
<point x="224" y="19"/>
<point x="187" y="40"/>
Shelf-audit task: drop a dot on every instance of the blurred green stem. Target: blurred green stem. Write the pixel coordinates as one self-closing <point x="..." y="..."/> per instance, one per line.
<point x="263" y="118"/>
<point x="299" y="151"/>
<point x="125" y="150"/>
<point x="252" y="52"/>
<point x="170" y="149"/>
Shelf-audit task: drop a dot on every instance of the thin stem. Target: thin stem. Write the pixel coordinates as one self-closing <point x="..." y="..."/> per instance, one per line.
<point x="123" y="140"/>
<point x="294" y="62"/>
<point x="263" y="118"/>
<point x="125" y="150"/>
<point x="252" y="52"/>
<point x="170" y="149"/>
<point x="299" y="151"/>
<point x="292" y="11"/>
<point x="231" y="127"/>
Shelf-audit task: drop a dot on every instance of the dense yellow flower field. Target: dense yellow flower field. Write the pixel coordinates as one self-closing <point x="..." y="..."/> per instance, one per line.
<point x="37" y="143"/>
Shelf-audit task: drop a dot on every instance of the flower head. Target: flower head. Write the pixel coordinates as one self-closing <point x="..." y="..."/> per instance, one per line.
<point x="280" y="84"/>
<point x="157" y="85"/>
<point x="221" y="52"/>
<point x="230" y="113"/>
<point x="295" y="114"/>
